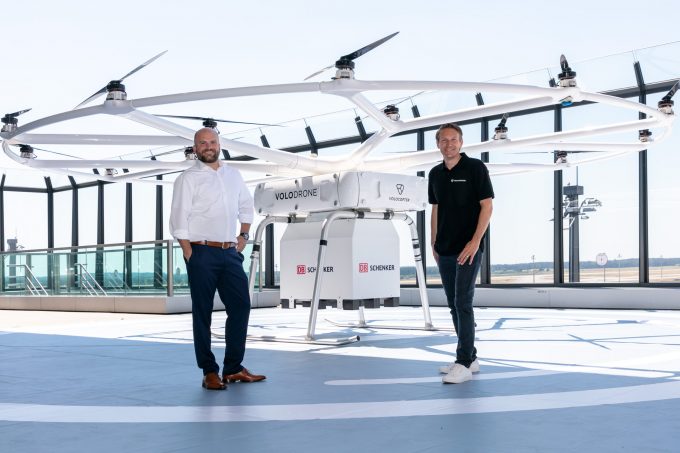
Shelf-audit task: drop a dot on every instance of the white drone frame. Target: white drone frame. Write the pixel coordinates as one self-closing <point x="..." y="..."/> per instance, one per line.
<point x="282" y="164"/>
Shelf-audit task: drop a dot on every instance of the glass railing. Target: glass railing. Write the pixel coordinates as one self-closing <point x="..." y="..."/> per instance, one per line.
<point x="133" y="268"/>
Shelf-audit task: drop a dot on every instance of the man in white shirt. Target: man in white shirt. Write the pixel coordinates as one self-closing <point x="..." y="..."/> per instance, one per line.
<point x="207" y="201"/>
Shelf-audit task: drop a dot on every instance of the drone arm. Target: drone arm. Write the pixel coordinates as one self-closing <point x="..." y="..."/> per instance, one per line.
<point x="53" y="119"/>
<point x="371" y="110"/>
<point x="269" y="154"/>
<point x="265" y="167"/>
<point x="11" y="155"/>
<point x="475" y="112"/>
<point x="107" y="163"/>
<point x="624" y="103"/>
<point x="538" y="141"/>
<point x="582" y="146"/>
<point x="306" y="87"/>
<point x="365" y="148"/>
<point x="94" y="139"/>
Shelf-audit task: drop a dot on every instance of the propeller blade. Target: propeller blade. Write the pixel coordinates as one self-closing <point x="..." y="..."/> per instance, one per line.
<point x="91" y="98"/>
<point x="184" y="117"/>
<point x="356" y="54"/>
<point x="672" y="91"/>
<point x="172" y="151"/>
<point x="319" y="72"/>
<point x="552" y="152"/>
<point x="103" y="90"/>
<point x="563" y="63"/>
<point x="146" y="63"/>
<point x="55" y="152"/>
<point x="203" y="118"/>
<point x="368" y="48"/>
<point x="503" y="120"/>
<point x="20" y="112"/>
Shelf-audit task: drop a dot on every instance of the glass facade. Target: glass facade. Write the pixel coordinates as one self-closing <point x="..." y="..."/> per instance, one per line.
<point x="619" y="215"/>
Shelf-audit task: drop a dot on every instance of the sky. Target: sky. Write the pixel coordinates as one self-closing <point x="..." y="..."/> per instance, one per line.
<point x="56" y="54"/>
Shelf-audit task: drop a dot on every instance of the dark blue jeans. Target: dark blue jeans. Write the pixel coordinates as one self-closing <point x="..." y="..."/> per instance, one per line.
<point x="210" y="269"/>
<point x="459" y="285"/>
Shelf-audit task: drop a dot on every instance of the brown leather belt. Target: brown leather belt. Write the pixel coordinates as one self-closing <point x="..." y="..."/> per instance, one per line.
<point x="219" y="245"/>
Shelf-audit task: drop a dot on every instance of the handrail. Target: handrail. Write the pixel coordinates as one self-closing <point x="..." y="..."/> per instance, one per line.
<point x="93" y="246"/>
<point x="76" y="257"/>
<point x="31" y="282"/>
<point x="88" y="280"/>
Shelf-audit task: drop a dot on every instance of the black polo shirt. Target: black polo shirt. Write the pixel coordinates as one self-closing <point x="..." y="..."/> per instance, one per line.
<point x="457" y="192"/>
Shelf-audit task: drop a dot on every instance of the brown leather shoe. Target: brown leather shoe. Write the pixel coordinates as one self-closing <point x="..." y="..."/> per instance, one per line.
<point x="211" y="381"/>
<point x="243" y="376"/>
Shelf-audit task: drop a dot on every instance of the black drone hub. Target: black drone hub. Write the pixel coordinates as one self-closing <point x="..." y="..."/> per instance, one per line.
<point x="644" y="135"/>
<point x="344" y="63"/>
<point x="391" y="110"/>
<point x="665" y="102"/>
<point x="561" y="155"/>
<point x="567" y="74"/>
<point x="209" y="122"/>
<point x="501" y="128"/>
<point x="26" y="151"/>
<point x="188" y="150"/>
<point x="10" y="119"/>
<point x="115" y="85"/>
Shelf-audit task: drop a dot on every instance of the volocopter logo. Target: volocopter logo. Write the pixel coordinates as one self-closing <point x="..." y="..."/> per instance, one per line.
<point x="400" y="191"/>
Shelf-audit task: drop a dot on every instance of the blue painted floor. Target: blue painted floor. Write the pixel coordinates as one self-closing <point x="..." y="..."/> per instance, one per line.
<point x="550" y="380"/>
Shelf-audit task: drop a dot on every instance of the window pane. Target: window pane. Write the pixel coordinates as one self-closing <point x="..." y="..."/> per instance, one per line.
<point x="663" y="162"/>
<point x="62" y="218"/>
<point x="26" y="219"/>
<point x="143" y="213"/>
<point x="114" y="213"/>
<point x="521" y="226"/>
<point x="87" y="216"/>
<point x="609" y="230"/>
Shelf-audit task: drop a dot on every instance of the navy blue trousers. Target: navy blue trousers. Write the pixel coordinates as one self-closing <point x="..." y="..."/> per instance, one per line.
<point x="459" y="285"/>
<point x="210" y="269"/>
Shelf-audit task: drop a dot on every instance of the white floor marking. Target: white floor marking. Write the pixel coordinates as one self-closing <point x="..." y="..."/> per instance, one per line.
<point x="576" y="368"/>
<point x="664" y="358"/>
<point x="333" y="411"/>
<point x="391" y="353"/>
<point x="476" y="377"/>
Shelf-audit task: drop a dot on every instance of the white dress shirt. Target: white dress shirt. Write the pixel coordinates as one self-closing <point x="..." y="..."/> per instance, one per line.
<point x="206" y="203"/>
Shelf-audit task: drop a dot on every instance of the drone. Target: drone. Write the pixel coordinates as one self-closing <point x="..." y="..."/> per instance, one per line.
<point x="280" y="164"/>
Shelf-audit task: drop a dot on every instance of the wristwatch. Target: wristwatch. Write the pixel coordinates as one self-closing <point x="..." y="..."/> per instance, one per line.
<point x="245" y="235"/>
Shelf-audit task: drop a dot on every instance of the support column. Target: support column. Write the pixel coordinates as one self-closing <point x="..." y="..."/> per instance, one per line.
<point x="558" y="225"/>
<point x="421" y="221"/>
<point x="485" y="269"/>
<point x="643" y="189"/>
<point x="99" y="256"/>
<point x="158" y="248"/>
<point x="127" y="256"/>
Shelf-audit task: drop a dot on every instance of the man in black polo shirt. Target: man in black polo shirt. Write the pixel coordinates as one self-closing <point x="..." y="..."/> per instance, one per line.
<point x="461" y="194"/>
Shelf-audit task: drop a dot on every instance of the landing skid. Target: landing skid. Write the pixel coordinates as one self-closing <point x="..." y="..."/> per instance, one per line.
<point x="299" y="340"/>
<point x="364" y="325"/>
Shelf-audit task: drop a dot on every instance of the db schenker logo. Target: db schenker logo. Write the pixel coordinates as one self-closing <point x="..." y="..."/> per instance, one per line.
<point x="301" y="269"/>
<point x="363" y="267"/>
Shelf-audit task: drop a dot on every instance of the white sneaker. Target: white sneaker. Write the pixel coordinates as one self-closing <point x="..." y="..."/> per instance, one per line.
<point x="446" y="369"/>
<point x="459" y="374"/>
